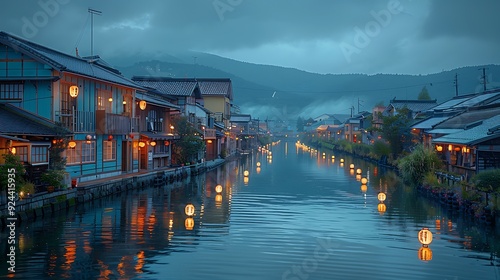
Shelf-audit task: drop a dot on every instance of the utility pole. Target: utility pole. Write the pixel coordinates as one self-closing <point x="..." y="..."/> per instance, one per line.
<point x="92" y="13"/>
<point x="483" y="77"/>
<point x="359" y="104"/>
<point x="456" y="84"/>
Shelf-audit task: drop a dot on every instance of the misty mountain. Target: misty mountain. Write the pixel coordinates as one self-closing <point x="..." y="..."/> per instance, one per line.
<point x="285" y="93"/>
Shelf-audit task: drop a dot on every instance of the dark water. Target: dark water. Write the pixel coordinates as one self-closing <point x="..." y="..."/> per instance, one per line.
<point x="300" y="216"/>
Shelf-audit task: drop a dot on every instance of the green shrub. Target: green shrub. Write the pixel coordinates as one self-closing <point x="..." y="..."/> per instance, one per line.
<point x="417" y="164"/>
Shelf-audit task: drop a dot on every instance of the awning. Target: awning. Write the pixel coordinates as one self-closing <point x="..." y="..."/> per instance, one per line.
<point x="13" y="138"/>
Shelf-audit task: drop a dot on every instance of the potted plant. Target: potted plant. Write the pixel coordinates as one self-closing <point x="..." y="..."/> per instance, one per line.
<point x="53" y="179"/>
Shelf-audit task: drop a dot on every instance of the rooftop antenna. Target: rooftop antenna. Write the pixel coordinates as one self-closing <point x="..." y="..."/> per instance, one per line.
<point x="92" y="13"/>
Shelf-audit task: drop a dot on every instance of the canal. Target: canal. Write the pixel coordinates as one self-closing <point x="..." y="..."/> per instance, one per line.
<point x="300" y="215"/>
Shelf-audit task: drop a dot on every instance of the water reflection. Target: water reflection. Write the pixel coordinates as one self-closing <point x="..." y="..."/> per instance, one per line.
<point x="261" y="226"/>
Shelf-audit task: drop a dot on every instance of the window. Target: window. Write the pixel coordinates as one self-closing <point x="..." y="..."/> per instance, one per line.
<point x="39" y="154"/>
<point x="135" y="151"/>
<point x="88" y="151"/>
<point x="73" y="154"/>
<point x="11" y="91"/>
<point x="109" y="150"/>
<point x="104" y="100"/>
<point x="22" y="153"/>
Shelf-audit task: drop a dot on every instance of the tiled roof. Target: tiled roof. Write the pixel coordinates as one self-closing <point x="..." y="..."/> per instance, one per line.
<point x="466" y="118"/>
<point x="480" y="99"/>
<point x="16" y="121"/>
<point x="413" y="105"/>
<point x="168" y="86"/>
<point x="92" y="67"/>
<point x="474" y="135"/>
<point x="450" y="103"/>
<point x="240" y="118"/>
<point x="216" y="87"/>
<point x="430" y="122"/>
<point x="186" y="86"/>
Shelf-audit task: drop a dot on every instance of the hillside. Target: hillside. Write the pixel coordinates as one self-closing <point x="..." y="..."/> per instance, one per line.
<point x="284" y="93"/>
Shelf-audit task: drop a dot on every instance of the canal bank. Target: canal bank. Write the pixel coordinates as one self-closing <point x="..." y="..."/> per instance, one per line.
<point x="47" y="204"/>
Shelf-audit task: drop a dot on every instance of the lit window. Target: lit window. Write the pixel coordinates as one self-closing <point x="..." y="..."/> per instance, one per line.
<point x="22" y="153"/>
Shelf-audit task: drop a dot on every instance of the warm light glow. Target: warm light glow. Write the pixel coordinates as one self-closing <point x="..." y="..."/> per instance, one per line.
<point x="364" y="181"/>
<point x="218" y="189"/>
<point x="142" y="144"/>
<point x="450" y="148"/>
<point x="258" y="170"/>
<point x="333" y="157"/>
<point x="358" y="171"/>
<point x="341" y="160"/>
<point x="218" y="198"/>
<point x="381" y="197"/>
<point x="110" y="99"/>
<point x="351" y="166"/>
<point x="258" y="164"/>
<point x="71" y="144"/>
<point x="246" y="173"/>
<point x="381" y="208"/>
<point x="153" y="143"/>
<point x="364" y="188"/>
<point x="142" y="105"/>
<point x="13" y="150"/>
<point x="425" y="236"/>
<point x="439" y="148"/>
<point x="245" y="180"/>
<point x="110" y="137"/>
<point x="73" y="91"/>
<point x="172" y="127"/>
<point x="209" y="141"/>
<point x="88" y="137"/>
<point x="425" y="254"/>
<point x="189" y="223"/>
<point x="189" y="209"/>
<point x="124" y="102"/>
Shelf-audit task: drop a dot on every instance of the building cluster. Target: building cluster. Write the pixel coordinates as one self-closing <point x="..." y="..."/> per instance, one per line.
<point x="112" y="124"/>
<point x="464" y="131"/>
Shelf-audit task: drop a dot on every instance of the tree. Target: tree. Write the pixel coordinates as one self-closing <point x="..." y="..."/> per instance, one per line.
<point x="396" y="130"/>
<point x="424" y="94"/>
<point x="190" y="144"/>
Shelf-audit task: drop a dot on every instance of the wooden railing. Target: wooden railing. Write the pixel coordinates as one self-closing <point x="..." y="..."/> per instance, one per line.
<point x="77" y="121"/>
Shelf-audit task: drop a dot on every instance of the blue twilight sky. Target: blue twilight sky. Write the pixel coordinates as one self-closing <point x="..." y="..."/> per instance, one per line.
<point x="323" y="36"/>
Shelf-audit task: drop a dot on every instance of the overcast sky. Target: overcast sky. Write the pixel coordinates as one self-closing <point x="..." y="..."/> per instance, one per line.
<point x="322" y="36"/>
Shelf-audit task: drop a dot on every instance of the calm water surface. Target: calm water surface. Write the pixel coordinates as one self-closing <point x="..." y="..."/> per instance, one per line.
<point x="301" y="215"/>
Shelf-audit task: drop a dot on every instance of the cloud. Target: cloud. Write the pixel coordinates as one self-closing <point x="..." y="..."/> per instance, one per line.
<point x="295" y="33"/>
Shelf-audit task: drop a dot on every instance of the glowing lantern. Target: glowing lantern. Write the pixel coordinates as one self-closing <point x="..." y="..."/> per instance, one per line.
<point x="167" y="143"/>
<point x="218" y="189"/>
<point x="364" y="181"/>
<point x="110" y="137"/>
<point x="258" y="170"/>
<point x="218" y="198"/>
<point x="73" y="91"/>
<point x="142" y="105"/>
<point x="381" y="208"/>
<point x="142" y="144"/>
<point x="341" y="160"/>
<point x="189" y="209"/>
<point x="439" y="148"/>
<point x="333" y="157"/>
<point x="245" y="180"/>
<point x="258" y="164"/>
<point x="71" y="144"/>
<point x="425" y="237"/>
<point x="189" y="223"/>
<point x="246" y="173"/>
<point x="13" y="150"/>
<point x="358" y="171"/>
<point x="425" y="254"/>
<point x="351" y="166"/>
<point x="153" y="143"/>
<point x="381" y="197"/>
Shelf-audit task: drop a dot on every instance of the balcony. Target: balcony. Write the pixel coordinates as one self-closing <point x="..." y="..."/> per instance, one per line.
<point x="77" y="121"/>
<point x="107" y="123"/>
